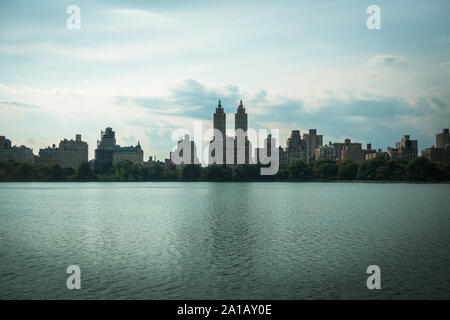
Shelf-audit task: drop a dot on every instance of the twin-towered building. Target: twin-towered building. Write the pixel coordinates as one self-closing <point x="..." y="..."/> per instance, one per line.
<point x="227" y="150"/>
<point x="238" y="149"/>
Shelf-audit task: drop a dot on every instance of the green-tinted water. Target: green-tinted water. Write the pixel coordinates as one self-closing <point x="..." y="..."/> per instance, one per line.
<point x="224" y="240"/>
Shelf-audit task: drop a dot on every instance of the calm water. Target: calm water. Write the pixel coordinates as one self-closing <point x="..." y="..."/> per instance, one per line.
<point x="224" y="240"/>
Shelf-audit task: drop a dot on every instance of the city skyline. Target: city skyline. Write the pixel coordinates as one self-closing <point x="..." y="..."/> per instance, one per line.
<point x="297" y="65"/>
<point x="307" y="147"/>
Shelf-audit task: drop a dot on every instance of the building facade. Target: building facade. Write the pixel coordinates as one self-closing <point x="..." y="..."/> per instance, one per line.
<point x="128" y="153"/>
<point x="442" y="139"/>
<point x="352" y="151"/>
<point x="105" y="148"/>
<point x="69" y="154"/>
<point x="312" y="141"/>
<point x="326" y="152"/>
<point x="295" y="147"/>
<point x="406" y="149"/>
<point x="437" y="154"/>
<point x="241" y="144"/>
<point x="21" y="154"/>
<point x="219" y="124"/>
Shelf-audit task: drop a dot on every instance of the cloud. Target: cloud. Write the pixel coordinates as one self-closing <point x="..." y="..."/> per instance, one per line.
<point x="20" y="104"/>
<point x="190" y="99"/>
<point x="361" y="117"/>
<point x="385" y="60"/>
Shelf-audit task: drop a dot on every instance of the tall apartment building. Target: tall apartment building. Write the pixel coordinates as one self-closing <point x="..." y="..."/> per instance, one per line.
<point x="326" y="152"/>
<point x="15" y="153"/>
<point x="442" y="139"/>
<point x="440" y="153"/>
<point x="105" y="148"/>
<point x="219" y="124"/>
<point x="295" y="147"/>
<point x="241" y="123"/>
<point x="405" y="150"/>
<point x="352" y="151"/>
<point x="312" y="141"/>
<point x="69" y="154"/>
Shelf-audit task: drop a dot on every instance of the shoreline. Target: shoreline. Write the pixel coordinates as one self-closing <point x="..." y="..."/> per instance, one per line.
<point x="245" y="181"/>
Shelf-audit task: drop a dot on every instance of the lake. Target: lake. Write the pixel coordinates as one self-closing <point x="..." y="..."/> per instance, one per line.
<point x="175" y="240"/>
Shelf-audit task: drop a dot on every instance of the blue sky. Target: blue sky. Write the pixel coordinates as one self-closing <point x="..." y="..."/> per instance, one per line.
<point x="146" y="68"/>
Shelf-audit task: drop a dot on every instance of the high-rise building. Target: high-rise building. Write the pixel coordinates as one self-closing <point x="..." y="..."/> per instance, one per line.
<point x="405" y="150"/>
<point x="241" y="123"/>
<point x="69" y="154"/>
<point x="15" y="153"/>
<point x="326" y="152"/>
<point x="440" y="153"/>
<point x="219" y="123"/>
<point x="312" y="141"/>
<point x="105" y="148"/>
<point x="295" y="147"/>
<point x="352" y="151"/>
<point x="442" y="139"/>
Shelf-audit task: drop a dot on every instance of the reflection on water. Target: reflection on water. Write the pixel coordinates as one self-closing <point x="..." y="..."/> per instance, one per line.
<point x="224" y="240"/>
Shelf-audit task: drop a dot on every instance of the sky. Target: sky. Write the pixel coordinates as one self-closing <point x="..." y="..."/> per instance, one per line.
<point x="147" y="68"/>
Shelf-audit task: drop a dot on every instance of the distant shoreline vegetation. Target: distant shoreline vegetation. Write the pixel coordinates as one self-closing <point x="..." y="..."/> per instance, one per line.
<point x="375" y="170"/>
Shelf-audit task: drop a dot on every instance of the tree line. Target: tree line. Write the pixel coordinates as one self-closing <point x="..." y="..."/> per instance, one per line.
<point x="378" y="169"/>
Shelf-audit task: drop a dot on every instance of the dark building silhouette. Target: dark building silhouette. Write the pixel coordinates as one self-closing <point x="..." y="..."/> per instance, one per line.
<point x="219" y="123"/>
<point x="241" y="123"/>
<point x="105" y="149"/>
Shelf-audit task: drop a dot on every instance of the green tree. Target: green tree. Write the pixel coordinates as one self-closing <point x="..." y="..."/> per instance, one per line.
<point x="298" y="170"/>
<point x="347" y="170"/>
<point x="422" y="169"/>
<point x="325" y="169"/>
<point x="56" y="173"/>
<point x="190" y="172"/>
<point x="85" y="172"/>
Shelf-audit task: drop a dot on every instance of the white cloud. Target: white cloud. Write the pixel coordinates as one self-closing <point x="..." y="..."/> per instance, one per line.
<point x="385" y="60"/>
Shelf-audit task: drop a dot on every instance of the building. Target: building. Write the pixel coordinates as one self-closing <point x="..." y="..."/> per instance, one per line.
<point x="442" y="139"/>
<point x="219" y="124"/>
<point x="352" y="151"/>
<point x="241" y="123"/>
<point x="15" y="153"/>
<point x="69" y="154"/>
<point x="312" y="141"/>
<point x="437" y="154"/>
<point x="326" y="152"/>
<point x="440" y="153"/>
<point x="374" y="155"/>
<point x="295" y="147"/>
<point x="405" y="150"/>
<point x="128" y="153"/>
<point x="105" y="148"/>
